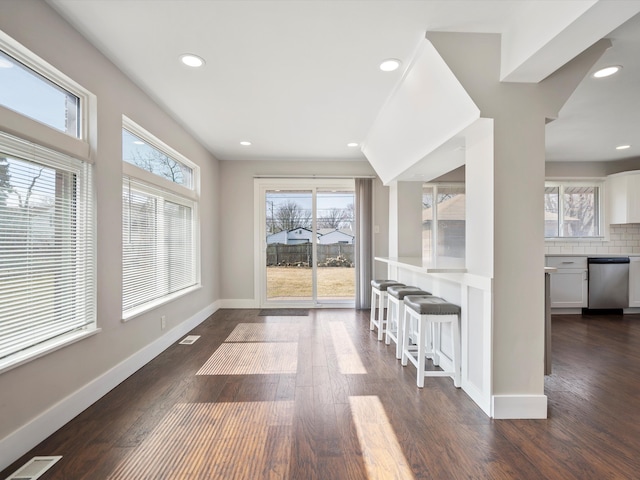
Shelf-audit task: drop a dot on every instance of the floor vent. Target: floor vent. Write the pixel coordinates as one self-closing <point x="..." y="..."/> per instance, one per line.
<point x="34" y="468"/>
<point x="189" y="340"/>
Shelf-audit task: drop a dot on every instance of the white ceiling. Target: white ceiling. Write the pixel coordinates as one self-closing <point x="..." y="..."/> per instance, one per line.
<point x="603" y="113"/>
<point x="300" y="79"/>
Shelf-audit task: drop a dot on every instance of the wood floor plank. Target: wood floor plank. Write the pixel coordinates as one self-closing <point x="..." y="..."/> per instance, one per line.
<point x="286" y="389"/>
<point x="326" y="431"/>
<point x="277" y="452"/>
<point x="320" y="420"/>
<point x="303" y="461"/>
<point x="321" y="386"/>
<point x="349" y="443"/>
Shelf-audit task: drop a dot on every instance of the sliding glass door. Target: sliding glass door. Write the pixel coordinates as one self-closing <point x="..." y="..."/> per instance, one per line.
<point x="307" y="241"/>
<point x="336" y="246"/>
<point x="289" y="247"/>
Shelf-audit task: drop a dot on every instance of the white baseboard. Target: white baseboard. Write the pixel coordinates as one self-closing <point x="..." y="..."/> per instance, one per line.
<point x="566" y="311"/>
<point x="250" y="303"/>
<point x="519" y="406"/>
<point x="240" y="303"/>
<point x="28" y="436"/>
<point x="477" y="395"/>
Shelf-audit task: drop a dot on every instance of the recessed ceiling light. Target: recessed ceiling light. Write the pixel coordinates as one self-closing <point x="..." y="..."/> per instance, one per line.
<point x="352" y="144"/>
<point x="5" y="63"/>
<point x="607" y="71"/>
<point x="623" y="147"/>
<point x="244" y="143"/>
<point x="191" y="60"/>
<point x="390" y="64"/>
<point x="138" y="142"/>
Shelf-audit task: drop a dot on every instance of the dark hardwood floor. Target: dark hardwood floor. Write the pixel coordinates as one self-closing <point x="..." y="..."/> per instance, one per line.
<point x="318" y="397"/>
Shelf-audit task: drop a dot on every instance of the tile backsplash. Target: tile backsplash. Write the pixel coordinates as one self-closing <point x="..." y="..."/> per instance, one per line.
<point x="622" y="239"/>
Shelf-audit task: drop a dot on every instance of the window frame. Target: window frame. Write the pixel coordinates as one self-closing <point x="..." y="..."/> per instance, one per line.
<point x="37" y="132"/>
<point x="151" y="178"/>
<point x="601" y="224"/>
<point x="156" y="185"/>
<point x="73" y="122"/>
<point x="41" y="142"/>
<point x="174" y="157"/>
<point x="84" y="221"/>
<point x="434" y="260"/>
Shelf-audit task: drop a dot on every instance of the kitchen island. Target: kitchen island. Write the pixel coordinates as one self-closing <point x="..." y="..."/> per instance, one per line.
<point x="473" y="293"/>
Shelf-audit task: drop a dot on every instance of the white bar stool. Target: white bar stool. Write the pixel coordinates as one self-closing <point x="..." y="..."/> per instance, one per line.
<point x="379" y="296"/>
<point x="430" y="313"/>
<point x="395" y="313"/>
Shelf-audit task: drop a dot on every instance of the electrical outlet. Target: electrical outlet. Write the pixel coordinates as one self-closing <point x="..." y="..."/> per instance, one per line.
<point x="163" y="322"/>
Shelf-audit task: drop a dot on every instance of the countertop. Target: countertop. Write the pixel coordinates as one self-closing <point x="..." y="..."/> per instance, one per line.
<point x="417" y="264"/>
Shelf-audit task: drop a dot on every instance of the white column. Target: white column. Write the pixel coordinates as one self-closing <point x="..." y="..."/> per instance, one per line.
<point x="505" y="208"/>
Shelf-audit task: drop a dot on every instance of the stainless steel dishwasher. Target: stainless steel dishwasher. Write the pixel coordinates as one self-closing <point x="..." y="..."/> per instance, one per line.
<point x="608" y="282"/>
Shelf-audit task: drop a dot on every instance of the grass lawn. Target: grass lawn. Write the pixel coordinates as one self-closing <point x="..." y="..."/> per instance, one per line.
<point x="288" y="282"/>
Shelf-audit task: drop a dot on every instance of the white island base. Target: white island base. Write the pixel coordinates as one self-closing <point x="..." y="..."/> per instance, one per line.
<point x="474" y="294"/>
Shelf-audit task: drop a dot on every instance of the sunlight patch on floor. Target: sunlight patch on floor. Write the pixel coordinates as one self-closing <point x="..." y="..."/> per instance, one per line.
<point x="252" y="359"/>
<point x="349" y="361"/>
<point x="383" y="457"/>
<point x="265" y="332"/>
<point x="215" y="440"/>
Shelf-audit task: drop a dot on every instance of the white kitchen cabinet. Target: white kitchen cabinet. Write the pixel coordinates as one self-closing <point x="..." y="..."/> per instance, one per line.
<point x="569" y="285"/>
<point x="623" y="197"/>
<point x="634" y="281"/>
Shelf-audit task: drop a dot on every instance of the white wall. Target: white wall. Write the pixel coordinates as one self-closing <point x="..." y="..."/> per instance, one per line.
<point x="569" y="170"/>
<point x="575" y="170"/>
<point x="237" y="216"/>
<point x="456" y="175"/>
<point x="405" y="219"/>
<point x="28" y="392"/>
<point x="479" y="206"/>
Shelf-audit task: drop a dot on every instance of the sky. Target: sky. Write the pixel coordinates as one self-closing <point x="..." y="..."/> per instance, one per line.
<point x="24" y="91"/>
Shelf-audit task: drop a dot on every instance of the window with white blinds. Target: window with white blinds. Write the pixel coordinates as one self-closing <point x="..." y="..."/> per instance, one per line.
<point x="47" y="273"/>
<point x="159" y="228"/>
<point x="158" y="256"/>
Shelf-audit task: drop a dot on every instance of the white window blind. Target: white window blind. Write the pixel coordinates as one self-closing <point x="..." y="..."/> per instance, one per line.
<point x="47" y="274"/>
<point x="159" y="254"/>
